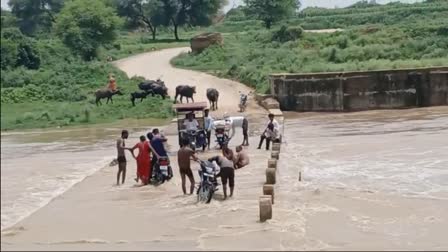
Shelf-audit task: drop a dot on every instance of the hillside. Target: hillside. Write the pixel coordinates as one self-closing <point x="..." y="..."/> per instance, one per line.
<point x="374" y="37"/>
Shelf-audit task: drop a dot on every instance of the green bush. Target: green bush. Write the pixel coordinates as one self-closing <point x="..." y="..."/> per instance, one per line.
<point x="285" y="34"/>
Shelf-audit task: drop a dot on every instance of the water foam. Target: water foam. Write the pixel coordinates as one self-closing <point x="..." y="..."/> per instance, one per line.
<point x="29" y="202"/>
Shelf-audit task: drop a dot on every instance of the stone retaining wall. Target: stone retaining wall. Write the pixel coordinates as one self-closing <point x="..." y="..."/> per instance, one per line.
<point x="353" y="91"/>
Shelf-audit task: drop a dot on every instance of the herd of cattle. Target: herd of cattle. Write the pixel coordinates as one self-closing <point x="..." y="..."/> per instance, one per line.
<point x="157" y="87"/>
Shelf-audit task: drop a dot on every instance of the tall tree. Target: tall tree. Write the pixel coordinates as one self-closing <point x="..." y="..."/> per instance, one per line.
<point x="191" y="12"/>
<point x="136" y="12"/>
<point x="85" y="25"/>
<point x="271" y="11"/>
<point x="35" y="13"/>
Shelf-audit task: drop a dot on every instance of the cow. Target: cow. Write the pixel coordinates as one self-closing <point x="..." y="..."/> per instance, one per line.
<point x="105" y="93"/>
<point x="138" y="95"/>
<point x="185" y="90"/>
<point x="212" y="96"/>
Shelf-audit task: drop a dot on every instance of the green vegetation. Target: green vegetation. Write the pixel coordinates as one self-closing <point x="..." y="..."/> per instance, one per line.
<point x="270" y="11"/>
<point x="375" y="37"/>
<point x="55" y="53"/>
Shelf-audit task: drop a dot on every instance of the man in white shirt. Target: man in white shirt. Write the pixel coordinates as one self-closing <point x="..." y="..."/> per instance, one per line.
<point x="191" y="124"/>
<point x="209" y="125"/>
<point x="271" y="132"/>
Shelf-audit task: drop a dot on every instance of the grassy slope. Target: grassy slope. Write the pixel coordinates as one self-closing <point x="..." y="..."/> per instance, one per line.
<point x="60" y="93"/>
<point x="417" y="38"/>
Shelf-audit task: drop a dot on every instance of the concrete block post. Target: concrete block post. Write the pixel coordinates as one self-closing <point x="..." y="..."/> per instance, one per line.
<point x="270" y="176"/>
<point x="269" y="190"/>
<point x="272" y="163"/>
<point x="276" y="147"/>
<point x="265" y="208"/>
<point x="275" y="155"/>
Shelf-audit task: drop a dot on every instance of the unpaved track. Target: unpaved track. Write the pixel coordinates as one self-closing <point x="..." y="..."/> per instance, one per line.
<point x="156" y="64"/>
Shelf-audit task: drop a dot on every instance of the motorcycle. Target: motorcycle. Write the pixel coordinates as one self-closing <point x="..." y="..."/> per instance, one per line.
<point x="209" y="183"/>
<point x="196" y="138"/>
<point x="243" y="102"/>
<point x="222" y="137"/>
<point x="162" y="171"/>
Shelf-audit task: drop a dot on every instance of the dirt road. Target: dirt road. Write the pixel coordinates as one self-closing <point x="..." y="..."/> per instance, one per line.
<point x="157" y="64"/>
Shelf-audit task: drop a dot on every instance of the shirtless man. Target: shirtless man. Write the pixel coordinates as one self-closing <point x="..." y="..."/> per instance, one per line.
<point x="121" y="157"/>
<point x="227" y="173"/>
<point x="183" y="159"/>
<point x="241" y="159"/>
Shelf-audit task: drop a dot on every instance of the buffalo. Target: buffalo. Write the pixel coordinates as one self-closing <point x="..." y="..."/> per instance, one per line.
<point x="185" y="90"/>
<point x="105" y="93"/>
<point x="138" y="95"/>
<point x="212" y="96"/>
<point x="154" y="87"/>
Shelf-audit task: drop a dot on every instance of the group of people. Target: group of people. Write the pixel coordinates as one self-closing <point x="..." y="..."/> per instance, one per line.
<point x="151" y="145"/>
<point x="228" y="163"/>
<point x="151" y="148"/>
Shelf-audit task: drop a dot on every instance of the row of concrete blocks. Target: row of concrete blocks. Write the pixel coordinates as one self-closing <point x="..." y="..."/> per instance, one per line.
<point x="267" y="200"/>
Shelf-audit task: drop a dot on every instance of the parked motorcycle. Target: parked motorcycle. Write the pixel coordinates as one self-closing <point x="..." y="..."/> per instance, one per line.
<point x="162" y="171"/>
<point x="209" y="183"/>
<point x="222" y="137"/>
<point x="197" y="139"/>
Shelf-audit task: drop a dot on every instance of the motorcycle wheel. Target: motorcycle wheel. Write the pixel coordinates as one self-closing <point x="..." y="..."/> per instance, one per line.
<point x="205" y="193"/>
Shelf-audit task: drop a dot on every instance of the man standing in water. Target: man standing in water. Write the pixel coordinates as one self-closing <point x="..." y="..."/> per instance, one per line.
<point x="227" y="171"/>
<point x="121" y="157"/>
<point x="271" y="132"/>
<point x="183" y="159"/>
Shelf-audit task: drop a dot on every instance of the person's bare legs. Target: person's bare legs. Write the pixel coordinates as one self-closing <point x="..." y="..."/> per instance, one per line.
<point x="231" y="191"/>
<point x="192" y="184"/>
<point x="123" y="178"/>
<point x="121" y="169"/>
<point x="184" y="188"/>
<point x="224" y="189"/>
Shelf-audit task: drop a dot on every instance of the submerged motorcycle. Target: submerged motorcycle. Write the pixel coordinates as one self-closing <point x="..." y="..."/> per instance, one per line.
<point x="162" y="171"/>
<point x="209" y="184"/>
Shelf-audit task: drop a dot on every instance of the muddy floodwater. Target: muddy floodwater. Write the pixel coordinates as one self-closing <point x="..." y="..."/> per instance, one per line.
<point x="370" y="180"/>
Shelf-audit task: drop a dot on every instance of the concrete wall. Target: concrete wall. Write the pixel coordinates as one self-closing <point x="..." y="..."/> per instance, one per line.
<point x="352" y="91"/>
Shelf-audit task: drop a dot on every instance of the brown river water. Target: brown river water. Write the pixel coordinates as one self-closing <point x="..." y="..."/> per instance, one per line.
<point x="377" y="175"/>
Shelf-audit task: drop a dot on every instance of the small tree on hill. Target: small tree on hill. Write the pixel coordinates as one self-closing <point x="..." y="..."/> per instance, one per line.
<point x="85" y="25"/>
<point x="271" y="11"/>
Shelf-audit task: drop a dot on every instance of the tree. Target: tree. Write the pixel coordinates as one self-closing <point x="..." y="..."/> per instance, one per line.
<point x="148" y="12"/>
<point x="191" y="12"/>
<point x="35" y="13"/>
<point x="18" y="50"/>
<point x="270" y="11"/>
<point x="85" y="25"/>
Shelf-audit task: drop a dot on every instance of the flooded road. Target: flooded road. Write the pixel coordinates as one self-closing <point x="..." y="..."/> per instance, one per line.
<point x="371" y="180"/>
<point x="39" y="165"/>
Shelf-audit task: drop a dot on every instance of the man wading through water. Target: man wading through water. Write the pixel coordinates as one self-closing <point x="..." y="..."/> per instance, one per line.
<point x="183" y="159"/>
<point x="121" y="157"/>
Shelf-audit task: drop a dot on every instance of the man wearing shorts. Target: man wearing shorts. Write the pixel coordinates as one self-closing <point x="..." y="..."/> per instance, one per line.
<point x="183" y="159"/>
<point x="227" y="173"/>
<point x="121" y="157"/>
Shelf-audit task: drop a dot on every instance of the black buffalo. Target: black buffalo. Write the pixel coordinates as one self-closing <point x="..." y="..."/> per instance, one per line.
<point x="212" y="96"/>
<point x="105" y="93"/>
<point x="138" y="95"/>
<point x="154" y="87"/>
<point x="185" y="90"/>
